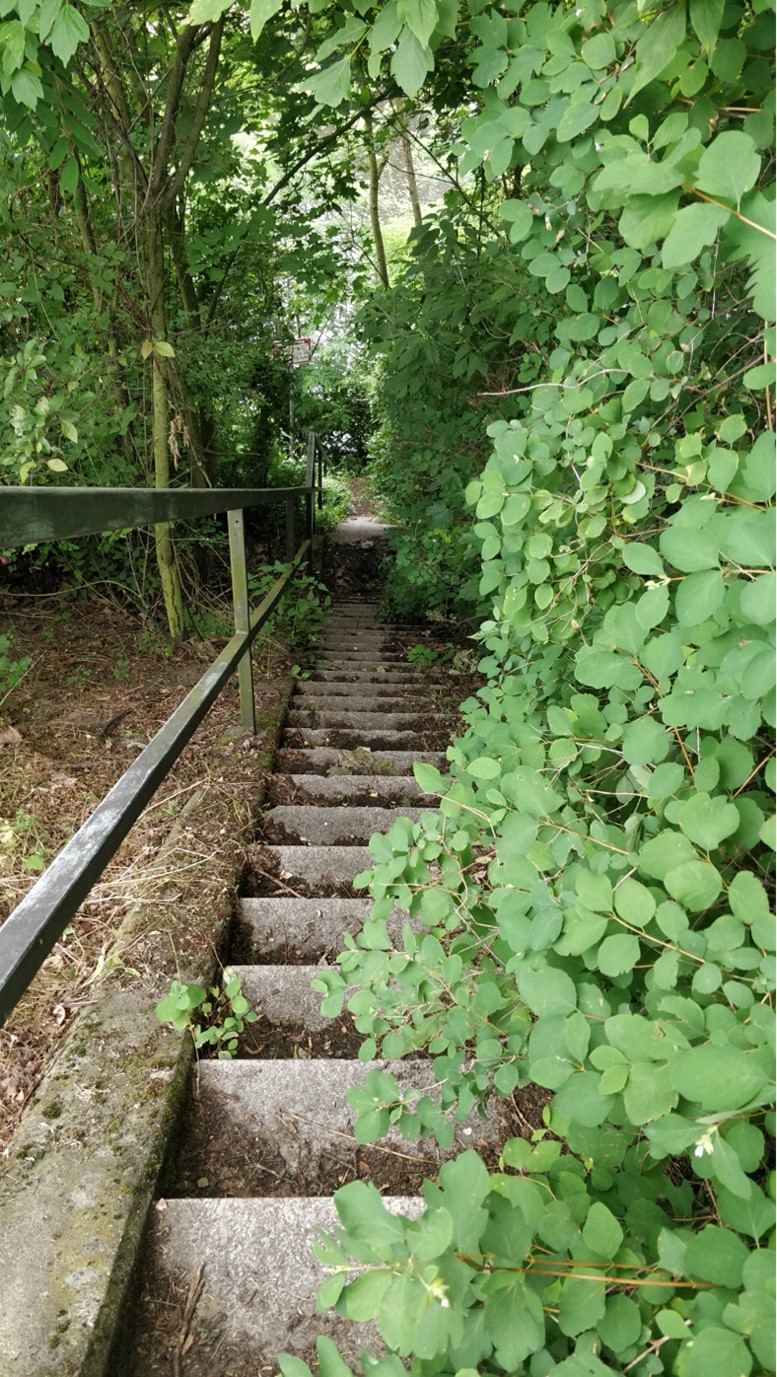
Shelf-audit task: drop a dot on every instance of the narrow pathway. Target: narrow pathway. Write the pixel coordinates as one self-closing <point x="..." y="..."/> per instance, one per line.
<point x="229" y="1279"/>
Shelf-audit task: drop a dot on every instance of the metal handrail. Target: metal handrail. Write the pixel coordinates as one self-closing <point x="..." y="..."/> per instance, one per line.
<point x="36" y="924"/>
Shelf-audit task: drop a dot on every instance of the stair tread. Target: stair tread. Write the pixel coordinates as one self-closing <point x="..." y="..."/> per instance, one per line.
<point x="396" y="721"/>
<point x="342" y="688"/>
<point x="354" y="790"/>
<point x="278" y="930"/>
<point x="259" y="1278"/>
<point x="314" y="825"/>
<point x="286" y="1127"/>
<point x="353" y="738"/>
<point x="371" y="764"/>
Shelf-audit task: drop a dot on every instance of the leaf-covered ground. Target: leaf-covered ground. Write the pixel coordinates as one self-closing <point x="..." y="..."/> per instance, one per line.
<point x="97" y="689"/>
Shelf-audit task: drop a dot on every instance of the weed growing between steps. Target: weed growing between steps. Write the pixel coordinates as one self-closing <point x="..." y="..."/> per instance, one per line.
<point x="216" y="1018"/>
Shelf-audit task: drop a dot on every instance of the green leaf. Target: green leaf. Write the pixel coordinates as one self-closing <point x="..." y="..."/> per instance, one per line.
<point x="484" y="767"/>
<point x="163" y="349"/>
<point x="600" y="668"/>
<point x="618" y="954"/>
<point x="48" y="12"/>
<point x="431" y="1235"/>
<point x="716" y="1255"/>
<point x="729" y="166"/>
<point x="293" y="1367"/>
<point x="653" y="607"/>
<point x="752" y="1216"/>
<point x="581" y="1308"/>
<point x="56" y="465"/>
<point x="714" y="1350"/>
<point x="330" y="1364"/>
<point x="695" y="884"/>
<point x="428" y="778"/>
<point x="707" y="821"/>
<point x="547" y="990"/>
<point x="634" y="902"/>
<point x="68" y="177"/>
<point x="645" y="742"/>
<point x="699" y="596"/>
<point x="646" y="220"/>
<point x="332" y="84"/>
<point x="718" y="1077"/>
<point x="621" y="1324"/>
<point x="643" y="559"/>
<point x="410" y="63"/>
<point x="594" y="891"/>
<point x="599" y="51"/>
<point x="68" y="30"/>
<point x="663" y="853"/>
<point x="26" y="87"/>
<point x="206" y="11"/>
<point x="515" y="1321"/>
<point x="580" y="1101"/>
<point x="658" y="46"/>
<point x="363" y="1298"/>
<point x="579" y="115"/>
<point x="602" y="1232"/>
<point x="689" y="550"/>
<point x="694" y="227"/>
<point x="520" y="218"/>
<point x="649" y="1093"/>
<point x="758" y="599"/>
<point x="420" y="16"/>
<point x="706" y="16"/>
<point x="364" y="1216"/>
<point x="467" y="1182"/>
<point x="530" y="792"/>
<point x="260" y="12"/>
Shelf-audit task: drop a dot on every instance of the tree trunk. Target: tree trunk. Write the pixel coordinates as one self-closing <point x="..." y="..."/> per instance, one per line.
<point x="407" y="155"/>
<point x="199" y="424"/>
<point x="154" y="271"/>
<point x="377" y="233"/>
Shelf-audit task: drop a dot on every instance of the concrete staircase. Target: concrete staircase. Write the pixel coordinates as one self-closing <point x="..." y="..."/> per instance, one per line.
<point x="229" y="1278"/>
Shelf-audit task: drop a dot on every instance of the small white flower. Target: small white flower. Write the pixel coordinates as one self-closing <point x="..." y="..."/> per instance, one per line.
<point x="704" y="1144"/>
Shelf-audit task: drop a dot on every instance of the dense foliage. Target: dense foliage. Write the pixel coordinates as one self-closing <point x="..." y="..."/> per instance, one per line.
<point x="594" y="892"/>
<point x="597" y="881"/>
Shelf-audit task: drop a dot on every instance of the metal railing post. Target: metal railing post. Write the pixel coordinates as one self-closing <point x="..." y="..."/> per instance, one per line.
<point x="290" y="546"/>
<point x="242" y="615"/>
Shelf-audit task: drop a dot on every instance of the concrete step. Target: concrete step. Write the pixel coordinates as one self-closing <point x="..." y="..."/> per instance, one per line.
<point x="361" y="637"/>
<point x="250" y="1265"/>
<point x="374" y="689"/>
<point x="354" y="738"/>
<point x="360" y="699"/>
<point x="327" y="870"/>
<point x="286" y="1005"/>
<point x="303" y="931"/>
<point x="321" y="760"/>
<point x="283" y="1128"/>
<point x="297" y="931"/>
<point x="315" y="825"/>
<point x="378" y="674"/>
<point x="357" y="791"/>
<point x="394" y="721"/>
<point x="359" y="659"/>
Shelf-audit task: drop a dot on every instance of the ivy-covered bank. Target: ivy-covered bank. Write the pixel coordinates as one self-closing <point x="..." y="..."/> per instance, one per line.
<point x="597" y="880"/>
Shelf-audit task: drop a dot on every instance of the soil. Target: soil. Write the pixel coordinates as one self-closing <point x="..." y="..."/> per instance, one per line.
<point x="98" y="687"/>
